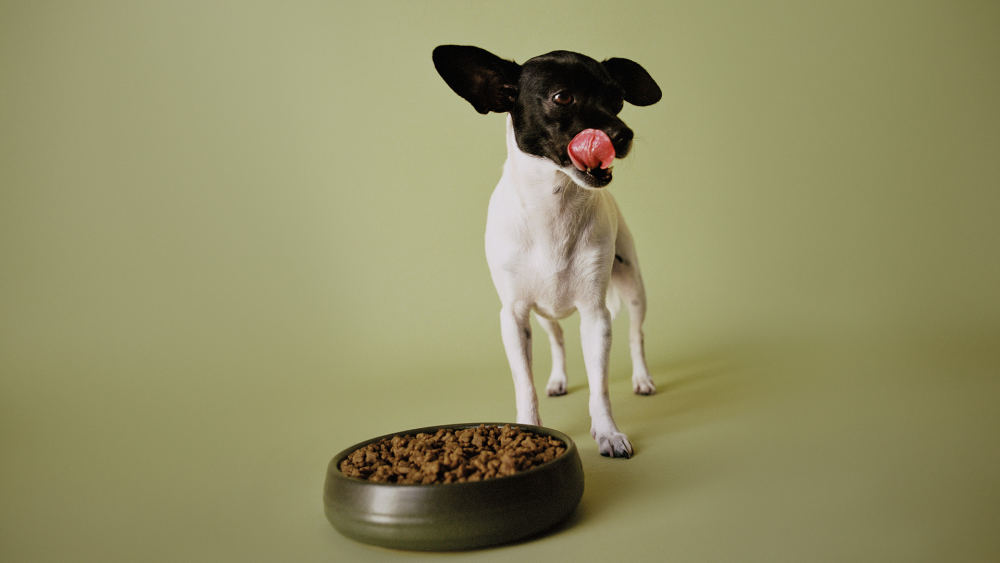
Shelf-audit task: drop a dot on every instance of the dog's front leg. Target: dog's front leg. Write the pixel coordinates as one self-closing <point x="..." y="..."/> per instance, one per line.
<point x="595" y="336"/>
<point x="515" y="328"/>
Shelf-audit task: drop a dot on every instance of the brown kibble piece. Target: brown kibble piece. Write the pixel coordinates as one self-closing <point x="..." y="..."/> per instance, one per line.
<point x="451" y="456"/>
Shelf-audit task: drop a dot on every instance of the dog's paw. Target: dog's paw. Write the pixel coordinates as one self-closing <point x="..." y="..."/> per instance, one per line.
<point x="643" y="385"/>
<point x="613" y="444"/>
<point x="556" y="386"/>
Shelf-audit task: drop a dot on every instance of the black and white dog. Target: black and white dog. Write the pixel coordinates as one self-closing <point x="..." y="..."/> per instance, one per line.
<point x="555" y="240"/>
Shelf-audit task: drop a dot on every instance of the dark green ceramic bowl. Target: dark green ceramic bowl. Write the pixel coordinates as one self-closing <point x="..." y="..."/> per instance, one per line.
<point x="455" y="515"/>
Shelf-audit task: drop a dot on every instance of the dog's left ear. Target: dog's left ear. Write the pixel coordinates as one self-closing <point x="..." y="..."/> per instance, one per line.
<point x="640" y="88"/>
<point x="488" y="82"/>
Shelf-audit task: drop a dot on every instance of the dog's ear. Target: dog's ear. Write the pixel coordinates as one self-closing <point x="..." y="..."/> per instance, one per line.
<point x="640" y="88"/>
<point x="488" y="82"/>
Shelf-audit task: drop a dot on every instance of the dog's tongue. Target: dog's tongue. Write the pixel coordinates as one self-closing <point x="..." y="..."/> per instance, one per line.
<point x="590" y="149"/>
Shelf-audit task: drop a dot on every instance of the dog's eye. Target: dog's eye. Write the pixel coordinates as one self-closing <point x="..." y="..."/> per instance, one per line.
<point x="563" y="98"/>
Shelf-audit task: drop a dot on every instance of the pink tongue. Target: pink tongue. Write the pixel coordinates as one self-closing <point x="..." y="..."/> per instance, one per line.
<point x="591" y="148"/>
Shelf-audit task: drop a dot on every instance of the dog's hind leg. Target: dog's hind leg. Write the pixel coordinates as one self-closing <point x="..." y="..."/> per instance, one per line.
<point x="627" y="281"/>
<point x="557" y="380"/>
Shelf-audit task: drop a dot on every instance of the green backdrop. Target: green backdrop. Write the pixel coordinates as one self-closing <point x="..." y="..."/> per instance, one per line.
<point x="237" y="237"/>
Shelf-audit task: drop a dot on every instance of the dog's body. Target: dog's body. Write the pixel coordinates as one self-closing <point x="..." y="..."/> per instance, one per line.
<point x="555" y="240"/>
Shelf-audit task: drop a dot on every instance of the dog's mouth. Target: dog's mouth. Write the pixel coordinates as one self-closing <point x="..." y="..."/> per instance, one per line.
<point x="594" y="177"/>
<point x="592" y="153"/>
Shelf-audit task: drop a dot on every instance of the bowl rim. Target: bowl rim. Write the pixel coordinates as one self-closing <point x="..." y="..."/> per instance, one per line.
<point x="333" y="469"/>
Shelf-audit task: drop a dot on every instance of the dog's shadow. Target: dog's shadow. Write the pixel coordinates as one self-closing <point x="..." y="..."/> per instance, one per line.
<point x="690" y="393"/>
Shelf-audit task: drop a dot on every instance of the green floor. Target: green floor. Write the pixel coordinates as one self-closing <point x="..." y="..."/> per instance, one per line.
<point x="235" y="239"/>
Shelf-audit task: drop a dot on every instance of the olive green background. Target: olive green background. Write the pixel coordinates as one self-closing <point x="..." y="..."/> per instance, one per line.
<point x="237" y="237"/>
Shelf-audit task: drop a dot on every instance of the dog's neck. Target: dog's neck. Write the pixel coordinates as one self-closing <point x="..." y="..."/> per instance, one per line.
<point x="536" y="178"/>
<point x="548" y="199"/>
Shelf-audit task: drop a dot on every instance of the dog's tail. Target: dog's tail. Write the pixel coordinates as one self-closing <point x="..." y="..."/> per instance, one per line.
<point x="613" y="301"/>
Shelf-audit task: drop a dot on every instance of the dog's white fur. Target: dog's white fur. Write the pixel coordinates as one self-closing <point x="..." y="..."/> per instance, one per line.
<point x="551" y="245"/>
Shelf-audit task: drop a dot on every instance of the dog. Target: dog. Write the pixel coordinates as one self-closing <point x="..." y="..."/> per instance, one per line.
<point x="556" y="241"/>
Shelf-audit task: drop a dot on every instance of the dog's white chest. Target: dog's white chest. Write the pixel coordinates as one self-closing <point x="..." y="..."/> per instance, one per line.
<point x="549" y="252"/>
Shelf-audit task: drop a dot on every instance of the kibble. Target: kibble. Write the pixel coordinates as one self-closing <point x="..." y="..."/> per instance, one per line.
<point x="452" y="455"/>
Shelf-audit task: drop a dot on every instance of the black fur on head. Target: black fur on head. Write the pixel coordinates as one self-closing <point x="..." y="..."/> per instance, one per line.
<point x="551" y="97"/>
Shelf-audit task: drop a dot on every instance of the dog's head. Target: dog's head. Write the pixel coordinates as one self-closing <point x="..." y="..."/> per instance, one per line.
<point x="564" y="105"/>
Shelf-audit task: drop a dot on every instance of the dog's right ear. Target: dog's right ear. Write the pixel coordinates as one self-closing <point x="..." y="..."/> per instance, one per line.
<point x="488" y="82"/>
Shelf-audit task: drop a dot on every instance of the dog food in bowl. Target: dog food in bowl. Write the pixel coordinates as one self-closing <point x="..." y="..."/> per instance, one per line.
<point x="452" y="455"/>
<point x="507" y="482"/>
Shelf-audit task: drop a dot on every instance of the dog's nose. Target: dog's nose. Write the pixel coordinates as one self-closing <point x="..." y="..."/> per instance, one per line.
<point x="622" y="141"/>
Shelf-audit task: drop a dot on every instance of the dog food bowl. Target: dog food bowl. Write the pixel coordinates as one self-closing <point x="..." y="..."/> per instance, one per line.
<point x="455" y="516"/>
